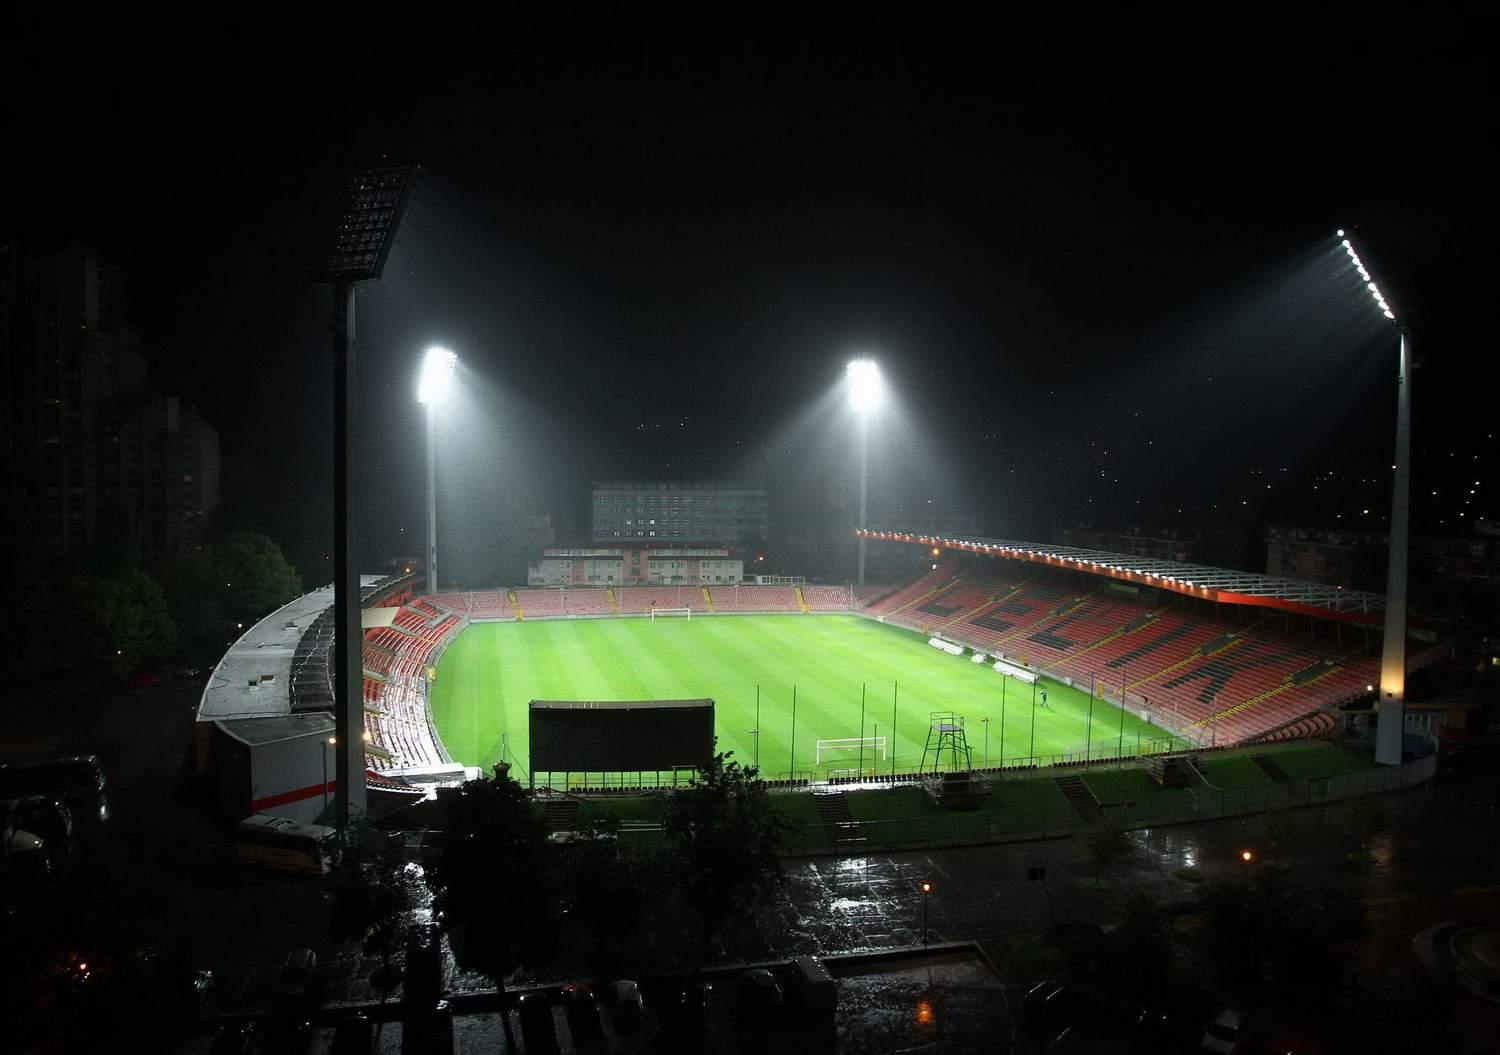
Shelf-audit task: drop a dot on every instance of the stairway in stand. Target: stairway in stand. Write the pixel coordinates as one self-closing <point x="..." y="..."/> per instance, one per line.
<point x="1268" y="766"/>
<point x="1079" y="797"/>
<point x="562" y="814"/>
<point x="515" y="604"/>
<point x="614" y="602"/>
<point x="838" y="822"/>
<point x="708" y="602"/>
<point x="801" y="600"/>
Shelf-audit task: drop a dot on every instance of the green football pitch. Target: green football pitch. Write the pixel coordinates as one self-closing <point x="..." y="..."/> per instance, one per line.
<point x="492" y="671"/>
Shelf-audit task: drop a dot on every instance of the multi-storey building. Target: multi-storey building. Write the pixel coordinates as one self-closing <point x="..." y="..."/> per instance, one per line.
<point x="664" y="512"/>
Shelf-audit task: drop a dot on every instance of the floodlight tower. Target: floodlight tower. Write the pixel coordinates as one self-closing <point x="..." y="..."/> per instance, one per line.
<point x="432" y="389"/>
<point x="863" y="378"/>
<point x="354" y="250"/>
<point x="1391" y="722"/>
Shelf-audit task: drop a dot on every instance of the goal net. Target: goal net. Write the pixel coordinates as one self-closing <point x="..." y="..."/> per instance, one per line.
<point x="671" y="613"/>
<point x="850" y="749"/>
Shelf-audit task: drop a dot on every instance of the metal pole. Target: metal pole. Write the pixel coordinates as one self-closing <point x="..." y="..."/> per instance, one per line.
<point x="986" y="723"/>
<point x="895" y="692"/>
<point x="1120" y="751"/>
<point x="1390" y="725"/>
<point x="1088" y="722"/>
<point x="864" y="455"/>
<point x="926" y="897"/>
<point x="860" y="765"/>
<point x="757" y="727"/>
<point x="348" y="659"/>
<point x="1003" y="679"/>
<point x="325" y="780"/>
<point x="792" y="772"/>
<point x="431" y="499"/>
<point x="1031" y="750"/>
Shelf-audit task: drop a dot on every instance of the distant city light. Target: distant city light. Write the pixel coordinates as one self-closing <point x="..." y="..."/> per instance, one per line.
<point x="437" y="373"/>
<point x="865" y="386"/>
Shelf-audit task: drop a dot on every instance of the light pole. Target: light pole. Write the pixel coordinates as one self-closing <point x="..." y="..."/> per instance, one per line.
<point x="926" y="897"/>
<point x="332" y="741"/>
<point x="353" y="251"/>
<point x="432" y="389"/>
<point x="986" y="723"/>
<point x="1391" y="709"/>
<point x="863" y="376"/>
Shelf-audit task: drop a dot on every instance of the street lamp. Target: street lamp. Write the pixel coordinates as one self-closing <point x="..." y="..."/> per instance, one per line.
<point x="1391" y="706"/>
<point x="926" y="897"/>
<point x="332" y="741"/>
<point x="432" y="389"/>
<point x="865" y="391"/>
<point x="353" y="251"/>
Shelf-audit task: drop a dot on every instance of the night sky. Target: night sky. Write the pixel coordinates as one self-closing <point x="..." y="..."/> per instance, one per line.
<point x="1095" y="261"/>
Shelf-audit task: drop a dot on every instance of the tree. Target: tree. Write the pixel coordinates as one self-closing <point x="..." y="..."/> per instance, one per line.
<point x="489" y="886"/>
<point x="724" y="834"/>
<point x="128" y="621"/>
<point x="607" y="890"/>
<point x="1140" y="949"/>
<point x="1278" y="826"/>
<point x="257" y="577"/>
<point x="1365" y="818"/>
<point x="1104" y="841"/>
<point x="369" y="895"/>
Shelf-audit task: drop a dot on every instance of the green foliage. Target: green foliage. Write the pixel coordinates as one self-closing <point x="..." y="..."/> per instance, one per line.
<point x="490" y="884"/>
<point x="236" y="579"/>
<point x="1267" y="934"/>
<point x="127" y="621"/>
<point x="1105" y="842"/>
<point x="369" y="892"/>
<point x="1279" y="825"/>
<point x="724" y="835"/>
<point x="606" y="891"/>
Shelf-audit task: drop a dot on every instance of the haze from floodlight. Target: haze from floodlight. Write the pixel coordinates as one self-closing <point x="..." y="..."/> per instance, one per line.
<point x="864" y="385"/>
<point x="437" y="373"/>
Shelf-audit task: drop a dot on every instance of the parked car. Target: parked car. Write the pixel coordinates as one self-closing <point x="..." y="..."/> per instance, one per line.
<point x="79" y="778"/>
<point x="48" y="818"/>
<point x="288" y="1036"/>
<point x="353" y="1036"/>
<point x="689" y="1011"/>
<point x="429" y="1031"/>
<point x="234" y="1038"/>
<point x="538" y="1032"/>
<point x="144" y="679"/>
<point x="760" y="992"/>
<point x="1224" y="1033"/>
<point x="813" y="985"/>
<point x="298" y="972"/>
<point x="183" y="673"/>
<point x="582" y="1010"/>
<point x="1050" y="1006"/>
<point x="630" y="1009"/>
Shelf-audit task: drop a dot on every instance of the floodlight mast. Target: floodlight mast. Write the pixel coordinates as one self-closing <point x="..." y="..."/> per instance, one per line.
<point x="437" y="375"/>
<point x="863" y="377"/>
<point x="1390" y="724"/>
<point x="354" y="250"/>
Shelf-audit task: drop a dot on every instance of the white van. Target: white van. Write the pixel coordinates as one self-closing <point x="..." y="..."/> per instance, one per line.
<point x="813" y="985"/>
<point x="275" y="842"/>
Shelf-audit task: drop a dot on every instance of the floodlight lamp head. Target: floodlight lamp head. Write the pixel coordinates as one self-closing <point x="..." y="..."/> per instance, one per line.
<point x="865" y="387"/>
<point x="437" y="375"/>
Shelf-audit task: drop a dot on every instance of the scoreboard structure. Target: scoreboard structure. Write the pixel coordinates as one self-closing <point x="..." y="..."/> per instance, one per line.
<point x="580" y="737"/>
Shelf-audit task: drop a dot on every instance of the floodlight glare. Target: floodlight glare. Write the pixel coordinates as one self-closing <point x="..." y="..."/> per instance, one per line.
<point x="864" y="385"/>
<point x="437" y="373"/>
<point x="1359" y="266"/>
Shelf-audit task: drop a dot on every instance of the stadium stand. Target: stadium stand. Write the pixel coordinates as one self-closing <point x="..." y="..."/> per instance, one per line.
<point x="828" y="598"/>
<point x="540" y="604"/>
<point x="490" y="604"/>
<point x="754" y="598"/>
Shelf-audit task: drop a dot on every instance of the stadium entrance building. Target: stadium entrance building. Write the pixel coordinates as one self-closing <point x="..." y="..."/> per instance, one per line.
<point x="636" y="566"/>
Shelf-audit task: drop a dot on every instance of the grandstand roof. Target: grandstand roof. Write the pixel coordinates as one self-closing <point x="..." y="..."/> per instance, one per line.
<point x="253" y="678"/>
<point x="1193" y="580"/>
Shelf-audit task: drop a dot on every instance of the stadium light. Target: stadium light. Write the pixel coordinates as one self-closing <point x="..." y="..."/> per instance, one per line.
<point x="862" y="376"/>
<point x="437" y="375"/>
<point x="432" y="389"/>
<point x="354" y="250"/>
<point x="1390" y="725"/>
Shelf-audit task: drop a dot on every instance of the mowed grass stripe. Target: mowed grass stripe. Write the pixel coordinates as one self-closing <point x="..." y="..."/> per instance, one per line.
<point x="724" y="658"/>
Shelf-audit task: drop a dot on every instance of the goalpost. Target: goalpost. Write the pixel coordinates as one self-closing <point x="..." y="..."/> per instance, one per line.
<point x="685" y="613"/>
<point x="849" y="748"/>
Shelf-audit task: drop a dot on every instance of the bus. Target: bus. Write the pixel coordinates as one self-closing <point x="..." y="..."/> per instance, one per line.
<point x="275" y="842"/>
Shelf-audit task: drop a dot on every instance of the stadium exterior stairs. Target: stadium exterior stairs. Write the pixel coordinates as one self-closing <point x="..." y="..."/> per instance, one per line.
<point x="838" y="822"/>
<point x="1268" y="766"/>
<point x="708" y="602"/>
<point x="562" y="814"/>
<point x="1079" y="797"/>
<point x="515" y="604"/>
<point x="801" y="600"/>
